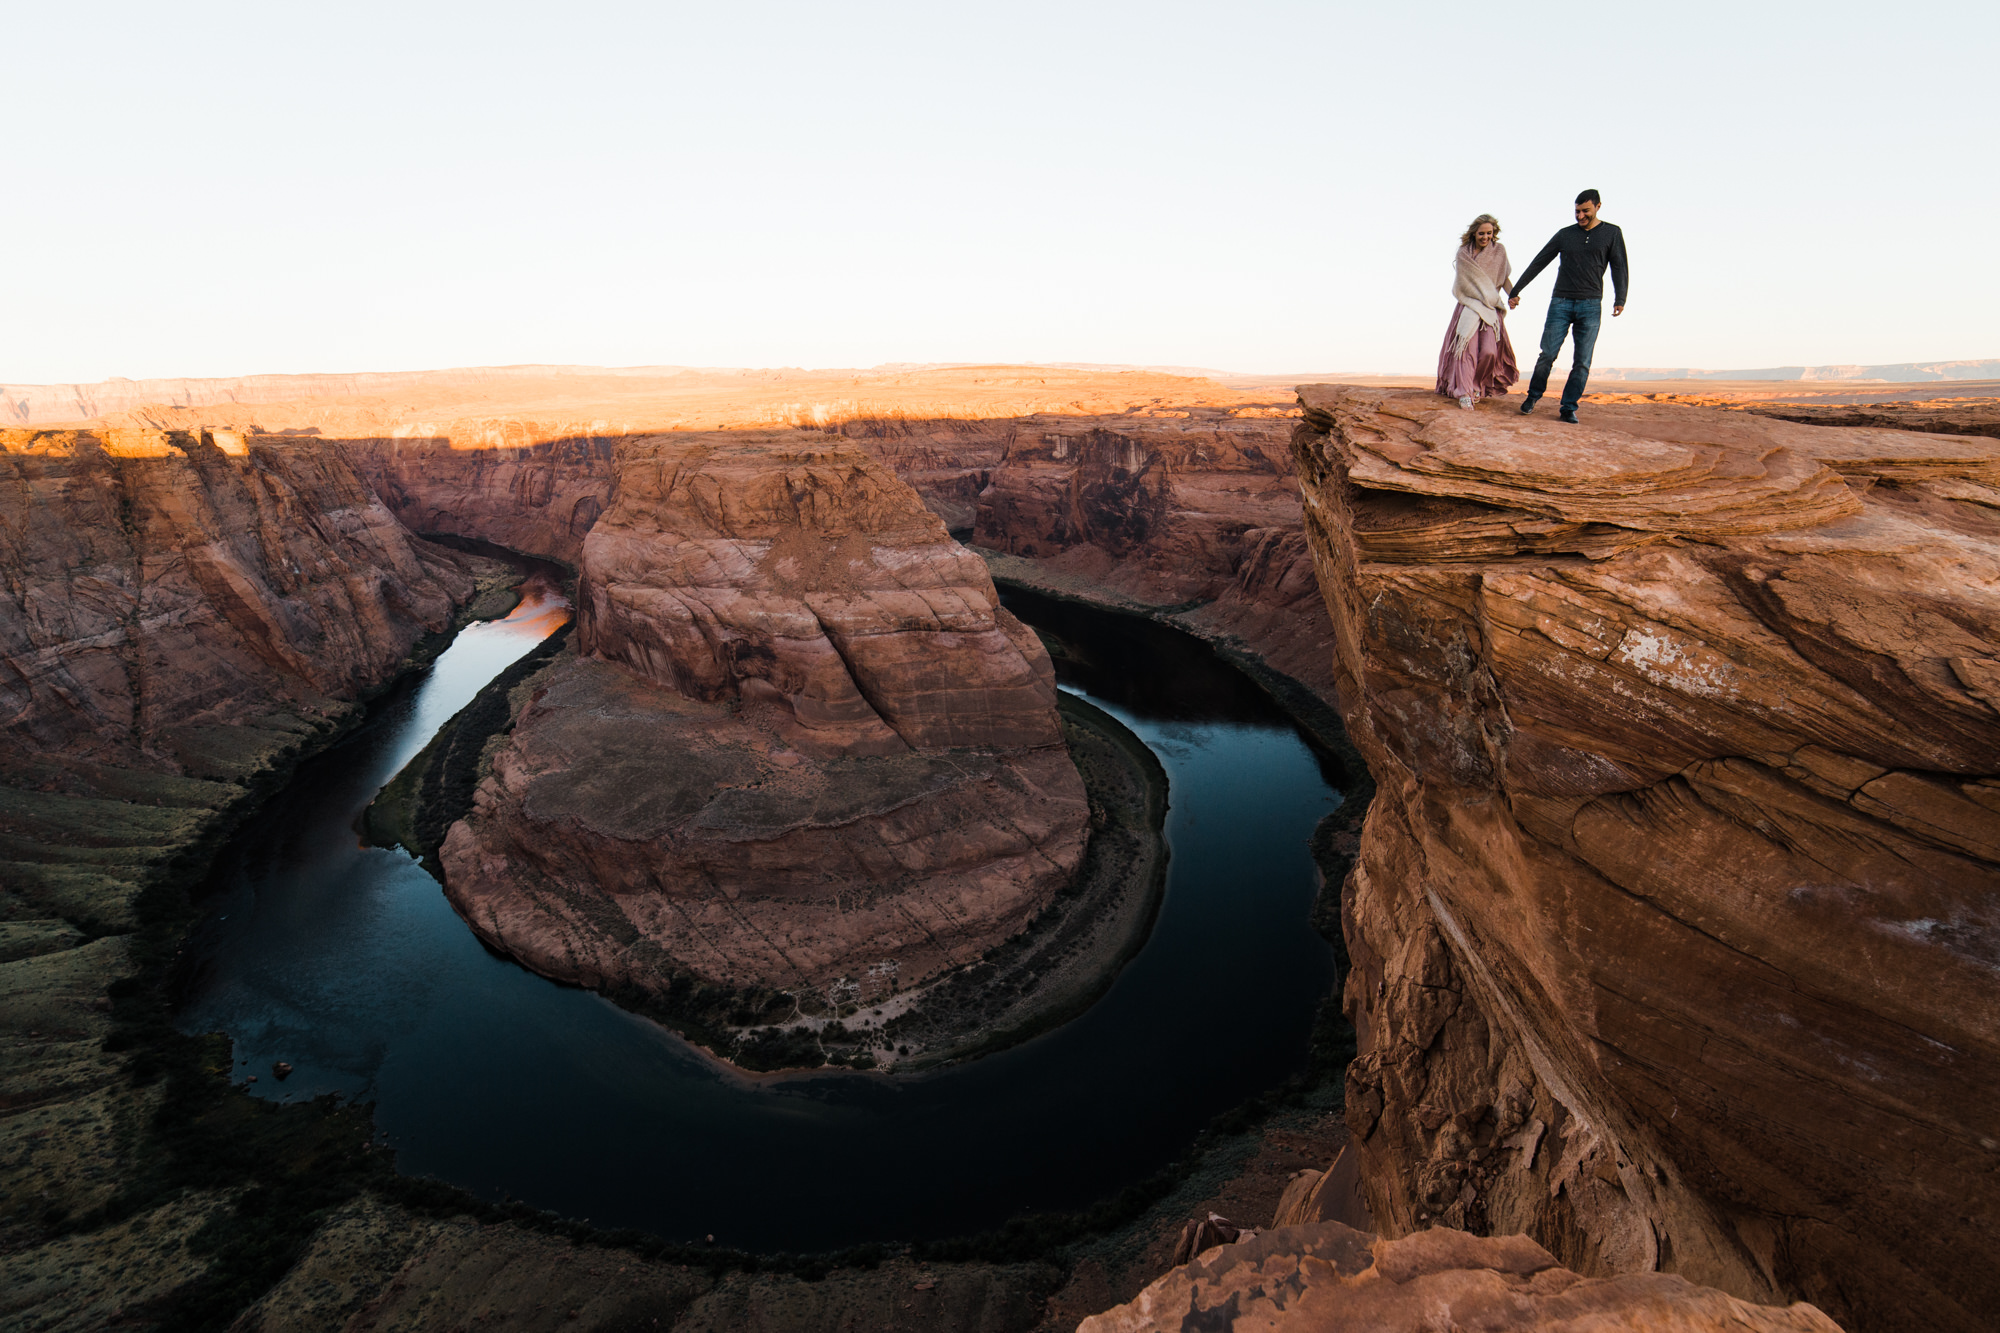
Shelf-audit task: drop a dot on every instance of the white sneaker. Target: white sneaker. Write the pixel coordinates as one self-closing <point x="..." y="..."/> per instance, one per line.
<point x="1466" y="402"/>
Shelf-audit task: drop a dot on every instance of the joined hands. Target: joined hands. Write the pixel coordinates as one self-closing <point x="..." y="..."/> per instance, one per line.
<point x="1514" y="301"/>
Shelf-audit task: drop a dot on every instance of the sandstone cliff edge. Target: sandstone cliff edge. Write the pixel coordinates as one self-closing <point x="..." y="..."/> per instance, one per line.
<point x="1673" y="930"/>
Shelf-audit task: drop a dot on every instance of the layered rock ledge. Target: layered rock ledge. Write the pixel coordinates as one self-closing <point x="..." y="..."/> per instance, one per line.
<point x="164" y="589"/>
<point x="801" y="746"/>
<point x="1673" y="932"/>
<point x="1325" y="1277"/>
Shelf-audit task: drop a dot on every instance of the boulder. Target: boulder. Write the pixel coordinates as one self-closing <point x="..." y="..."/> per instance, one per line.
<point x="1326" y="1277"/>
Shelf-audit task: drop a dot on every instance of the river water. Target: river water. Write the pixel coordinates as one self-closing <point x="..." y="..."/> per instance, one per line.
<point x="347" y="962"/>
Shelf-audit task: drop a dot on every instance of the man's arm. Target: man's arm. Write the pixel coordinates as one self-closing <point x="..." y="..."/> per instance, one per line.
<point x="1618" y="275"/>
<point x="1549" y="252"/>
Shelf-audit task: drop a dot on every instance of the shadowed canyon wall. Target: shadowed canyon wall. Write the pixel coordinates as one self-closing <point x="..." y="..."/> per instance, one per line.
<point x="1191" y="511"/>
<point x="531" y="487"/>
<point x="163" y="588"/>
<point x="1673" y="931"/>
<point x="180" y="617"/>
<point x="1193" y="515"/>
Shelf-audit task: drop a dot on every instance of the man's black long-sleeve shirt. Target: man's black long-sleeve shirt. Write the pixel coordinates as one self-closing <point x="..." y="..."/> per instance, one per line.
<point x="1584" y="256"/>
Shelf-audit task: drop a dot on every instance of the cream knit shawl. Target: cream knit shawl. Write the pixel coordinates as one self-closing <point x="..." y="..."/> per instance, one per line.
<point x="1478" y="288"/>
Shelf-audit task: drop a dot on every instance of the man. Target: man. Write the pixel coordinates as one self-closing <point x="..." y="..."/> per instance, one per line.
<point x="1578" y="303"/>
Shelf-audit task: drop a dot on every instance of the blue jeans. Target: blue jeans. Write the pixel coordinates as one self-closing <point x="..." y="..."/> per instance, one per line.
<point x="1566" y="314"/>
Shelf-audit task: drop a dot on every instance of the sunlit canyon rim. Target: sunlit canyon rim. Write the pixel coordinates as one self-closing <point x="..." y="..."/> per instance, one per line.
<point x="1670" y="926"/>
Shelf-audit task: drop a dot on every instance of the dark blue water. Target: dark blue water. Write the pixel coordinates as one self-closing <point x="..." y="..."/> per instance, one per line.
<point x="347" y="962"/>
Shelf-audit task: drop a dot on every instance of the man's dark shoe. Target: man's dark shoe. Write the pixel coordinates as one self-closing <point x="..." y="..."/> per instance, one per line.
<point x="1568" y="414"/>
<point x="1527" y="407"/>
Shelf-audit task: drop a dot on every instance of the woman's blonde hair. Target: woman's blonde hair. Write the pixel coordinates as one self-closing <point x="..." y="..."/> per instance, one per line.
<point x="1483" y="217"/>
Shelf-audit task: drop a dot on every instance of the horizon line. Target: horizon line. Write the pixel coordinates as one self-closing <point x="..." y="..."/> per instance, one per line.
<point x="1930" y="370"/>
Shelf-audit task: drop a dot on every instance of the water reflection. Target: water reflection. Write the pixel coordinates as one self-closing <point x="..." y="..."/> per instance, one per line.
<point x="347" y="962"/>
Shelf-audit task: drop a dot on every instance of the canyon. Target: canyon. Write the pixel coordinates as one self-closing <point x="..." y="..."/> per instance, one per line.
<point x="1668" y="923"/>
<point x="166" y="587"/>
<point x="180" y="618"/>
<point x="291" y="585"/>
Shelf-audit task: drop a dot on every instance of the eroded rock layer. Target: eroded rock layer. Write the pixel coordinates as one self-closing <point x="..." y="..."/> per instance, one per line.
<point x="803" y="743"/>
<point x="800" y="571"/>
<point x="1325" y="1277"/>
<point x="1191" y="513"/>
<point x="166" y="592"/>
<point x="1178" y="503"/>
<point x="529" y="486"/>
<point x="180" y="617"/>
<point x="1673" y="930"/>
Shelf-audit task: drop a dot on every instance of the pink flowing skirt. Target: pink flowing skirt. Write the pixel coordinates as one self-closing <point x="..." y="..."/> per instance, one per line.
<point x="1484" y="369"/>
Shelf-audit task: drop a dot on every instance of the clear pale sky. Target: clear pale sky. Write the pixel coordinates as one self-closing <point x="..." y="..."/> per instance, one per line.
<point x="205" y="189"/>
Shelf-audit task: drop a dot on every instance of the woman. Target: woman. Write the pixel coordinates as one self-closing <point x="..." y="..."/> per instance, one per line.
<point x="1477" y="360"/>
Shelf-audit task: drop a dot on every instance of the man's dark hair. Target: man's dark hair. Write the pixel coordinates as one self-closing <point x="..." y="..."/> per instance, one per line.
<point x="1590" y="197"/>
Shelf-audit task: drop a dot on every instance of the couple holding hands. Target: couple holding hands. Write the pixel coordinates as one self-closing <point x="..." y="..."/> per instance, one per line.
<point x="1477" y="360"/>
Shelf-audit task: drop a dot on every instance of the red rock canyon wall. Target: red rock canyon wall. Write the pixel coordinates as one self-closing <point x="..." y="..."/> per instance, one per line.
<point x="165" y="592"/>
<point x="1194" y="515"/>
<point x="1674" y="931"/>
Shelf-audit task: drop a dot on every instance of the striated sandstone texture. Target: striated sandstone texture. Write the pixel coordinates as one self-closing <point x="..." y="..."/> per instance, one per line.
<point x="529" y="486"/>
<point x="1673" y="931"/>
<point x="1947" y="416"/>
<point x="1967" y="411"/>
<point x="1163" y="512"/>
<point x="803" y="745"/>
<point x="165" y="591"/>
<point x="802" y="572"/>
<point x="1168" y="494"/>
<point x="180" y="616"/>
<point x="1325" y="1277"/>
<point x="1189" y="512"/>
<point x="1201" y="515"/>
